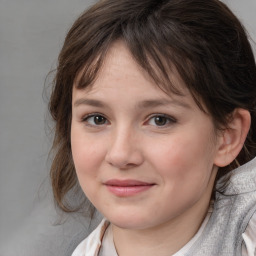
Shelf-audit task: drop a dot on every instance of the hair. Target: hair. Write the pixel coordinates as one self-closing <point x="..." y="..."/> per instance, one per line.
<point x="203" y="40"/>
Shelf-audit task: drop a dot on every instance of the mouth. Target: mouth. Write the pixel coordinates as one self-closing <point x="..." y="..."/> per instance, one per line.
<point x="126" y="188"/>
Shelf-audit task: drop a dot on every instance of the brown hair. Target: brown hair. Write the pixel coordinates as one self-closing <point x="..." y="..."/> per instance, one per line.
<point x="203" y="40"/>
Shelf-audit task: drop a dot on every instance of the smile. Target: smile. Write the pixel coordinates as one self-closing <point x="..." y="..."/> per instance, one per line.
<point x="126" y="188"/>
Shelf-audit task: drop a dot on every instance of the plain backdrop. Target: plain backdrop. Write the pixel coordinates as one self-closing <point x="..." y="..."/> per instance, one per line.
<point x="31" y="35"/>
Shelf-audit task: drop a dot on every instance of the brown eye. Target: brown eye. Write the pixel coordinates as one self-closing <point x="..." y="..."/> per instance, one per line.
<point x="95" y="120"/>
<point x="99" y="120"/>
<point x="160" y="120"/>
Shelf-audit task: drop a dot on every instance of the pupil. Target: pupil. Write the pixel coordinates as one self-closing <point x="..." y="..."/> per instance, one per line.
<point x="99" y="120"/>
<point x="160" y="120"/>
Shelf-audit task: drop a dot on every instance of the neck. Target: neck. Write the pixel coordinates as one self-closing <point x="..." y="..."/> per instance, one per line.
<point x="164" y="240"/>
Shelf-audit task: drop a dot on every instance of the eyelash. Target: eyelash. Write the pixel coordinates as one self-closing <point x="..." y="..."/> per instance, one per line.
<point x="168" y="120"/>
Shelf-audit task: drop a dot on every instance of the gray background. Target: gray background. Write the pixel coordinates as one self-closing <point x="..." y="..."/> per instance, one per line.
<point x="31" y="35"/>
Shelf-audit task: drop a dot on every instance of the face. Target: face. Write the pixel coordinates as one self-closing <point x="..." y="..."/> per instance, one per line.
<point x="143" y="158"/>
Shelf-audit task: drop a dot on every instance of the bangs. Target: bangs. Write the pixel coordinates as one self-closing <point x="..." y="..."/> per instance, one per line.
<point x="161" y="47"/>
<point x="161" y="66"/>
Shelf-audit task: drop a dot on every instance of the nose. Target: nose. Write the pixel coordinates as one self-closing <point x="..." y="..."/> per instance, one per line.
<point x="124" y="150"/>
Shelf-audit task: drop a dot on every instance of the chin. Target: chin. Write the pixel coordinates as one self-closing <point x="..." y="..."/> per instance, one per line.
<point x="130" y="221"/>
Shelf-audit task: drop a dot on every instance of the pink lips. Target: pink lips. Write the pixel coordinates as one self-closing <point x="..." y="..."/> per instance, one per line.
<point x="125" y="188"/>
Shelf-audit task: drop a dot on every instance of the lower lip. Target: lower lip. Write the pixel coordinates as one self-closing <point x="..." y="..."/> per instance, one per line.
<point x="128" y="191"/>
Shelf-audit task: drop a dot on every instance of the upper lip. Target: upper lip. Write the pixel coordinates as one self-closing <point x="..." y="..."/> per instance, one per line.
<point x="126" y="183"/>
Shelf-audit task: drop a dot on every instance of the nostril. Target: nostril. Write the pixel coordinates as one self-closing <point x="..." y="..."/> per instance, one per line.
<point x="124" y="159"/>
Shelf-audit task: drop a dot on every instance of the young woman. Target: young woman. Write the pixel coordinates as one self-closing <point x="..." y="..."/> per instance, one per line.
<point x="155" y="111"/>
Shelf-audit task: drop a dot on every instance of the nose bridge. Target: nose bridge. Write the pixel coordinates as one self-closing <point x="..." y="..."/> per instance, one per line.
<point x="123" y="150"/>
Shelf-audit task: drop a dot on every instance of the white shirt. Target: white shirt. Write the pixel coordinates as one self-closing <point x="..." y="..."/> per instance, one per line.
<point x="100" y="241"/>
<point x="108" y="247"/>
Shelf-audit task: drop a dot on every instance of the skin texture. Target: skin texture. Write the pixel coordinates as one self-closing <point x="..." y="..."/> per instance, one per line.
<point x="124" y="127"/>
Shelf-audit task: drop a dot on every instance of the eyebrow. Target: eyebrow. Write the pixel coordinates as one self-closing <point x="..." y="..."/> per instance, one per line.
<point x="90" y="102"/>
<point x="162" y="102"/>
<point x="141" y="105"/>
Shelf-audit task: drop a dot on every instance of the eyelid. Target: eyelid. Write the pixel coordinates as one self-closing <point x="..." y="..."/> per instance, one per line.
<point x="84" y="117"/>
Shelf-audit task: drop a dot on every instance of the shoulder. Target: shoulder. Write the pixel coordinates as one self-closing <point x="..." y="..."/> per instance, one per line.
<point x="91" y="245"/>
<point x="242" y="180"/>
<point x="238" y="200"/>
<point x="232" y="223"/>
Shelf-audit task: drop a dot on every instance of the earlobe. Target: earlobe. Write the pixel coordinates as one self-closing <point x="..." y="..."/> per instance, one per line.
<point x="233" y="137"/>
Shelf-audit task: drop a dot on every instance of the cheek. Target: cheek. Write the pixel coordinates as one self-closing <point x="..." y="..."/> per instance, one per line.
<point x="185" y="168"/>
<point x="87" y="157"/>
<point x="87" y="153"/>
<point x="184" y="157"/>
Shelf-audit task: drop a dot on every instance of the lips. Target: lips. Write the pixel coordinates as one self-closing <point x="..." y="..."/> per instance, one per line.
<point x="126" y="188"/>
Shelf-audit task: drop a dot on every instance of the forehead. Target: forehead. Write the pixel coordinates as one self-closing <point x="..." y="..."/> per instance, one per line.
<point x="121" y="77"/>
<point x="119" y="66"/>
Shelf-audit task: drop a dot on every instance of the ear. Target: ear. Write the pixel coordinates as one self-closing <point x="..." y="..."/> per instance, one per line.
<point x="232" y="139"/>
